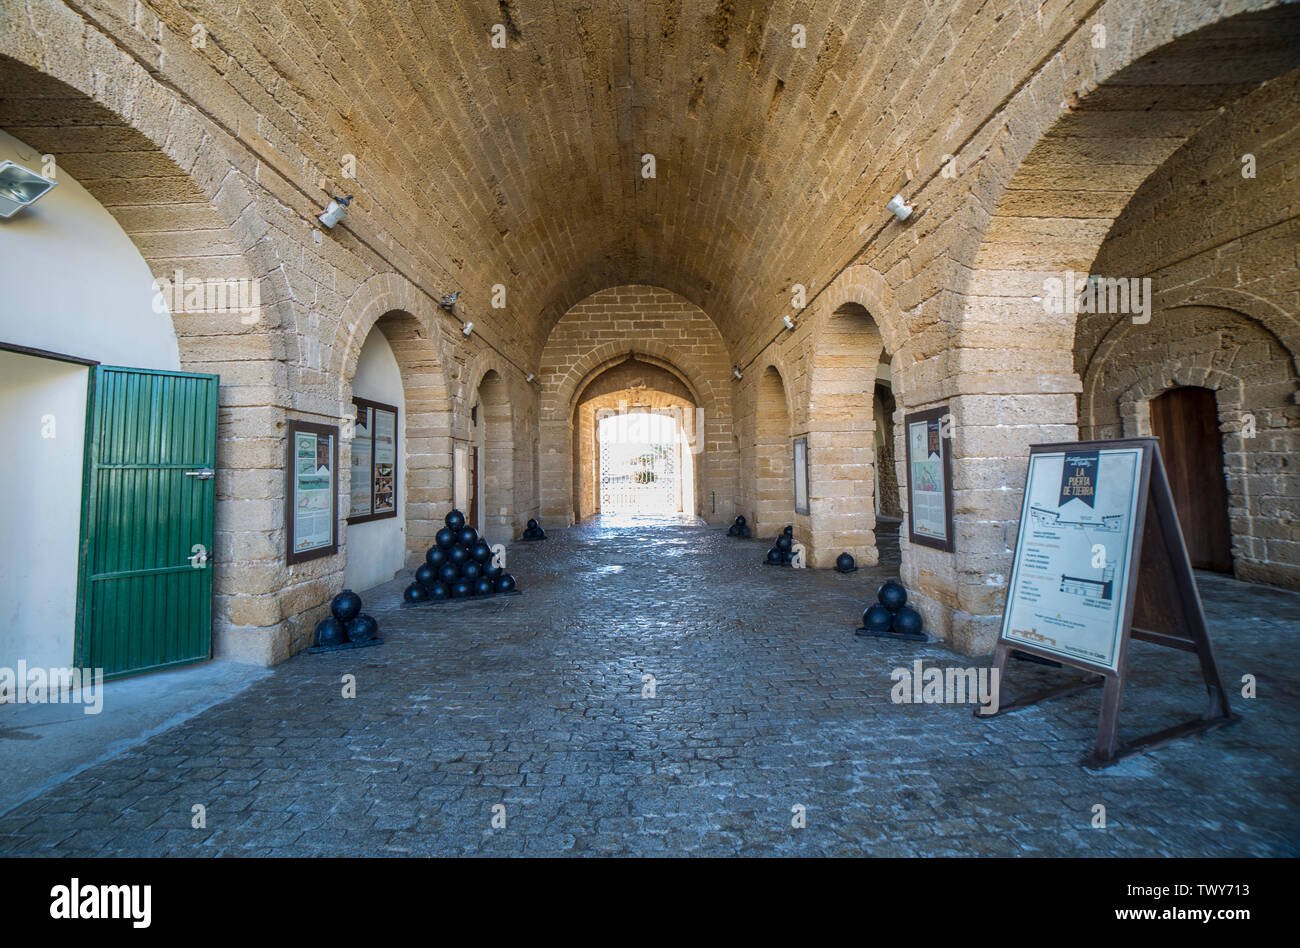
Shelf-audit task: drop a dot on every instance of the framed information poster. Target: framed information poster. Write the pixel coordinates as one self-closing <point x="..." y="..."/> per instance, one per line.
<point x="1069" y="585"/>
<point x="373" y="487"/>
<point x="311" y="516"/>
<point x="1100" y="560"/>
<point x="801" y="475"/>
<point x="929" y="478"/>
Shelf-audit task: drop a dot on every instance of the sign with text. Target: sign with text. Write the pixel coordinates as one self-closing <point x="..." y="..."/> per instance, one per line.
<point x="1069" y="579"/>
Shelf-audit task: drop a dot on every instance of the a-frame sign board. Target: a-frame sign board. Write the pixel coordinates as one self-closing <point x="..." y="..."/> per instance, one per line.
<point x="1091" y="511"/>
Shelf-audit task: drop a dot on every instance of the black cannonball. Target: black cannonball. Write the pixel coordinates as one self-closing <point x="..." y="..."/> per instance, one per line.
<point x="436" y="556"/>
<point x="908" y="621"/>
<point x="467" y="537"/>
<point x="415" y="593"/>
<point x="426" y="575"/>
<point x="533" y="525"/>
<point x="471" y="571"/>
<point x="330" y="631"/>
<point x="505" y="583"/>
<point x="877" y="618"/>
<point x="460" y="589"/>
<point x="439" y="591"/>
<point x="747" y="532"/>
<point x="741" y="521"/>
<point x="788" y="531"/>
<point x="492" y="572"/>
<point x="787" y="556"/>
<point x="458" y="555"/>
<point x="892" y="596"/>
<point x="785" y="543"/>
<point x="774" y="555"/>
<point x="484" y="586"/>
<point x="481" y="551"/>
<point x="362" y="629"/>
<point x="345" y="606"/>
<point x="845" y="563"/>
<point x="455" y="520"/>
<point x="445" y="538"/>
<point x="733" y="530"/>
<point x="449" y="573"/>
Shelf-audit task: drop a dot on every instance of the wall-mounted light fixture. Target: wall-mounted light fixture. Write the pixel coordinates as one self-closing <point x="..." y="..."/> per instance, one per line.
<point x="468" y="328"/>
<point x="735" y="371"/>
<point x="20" y="187"/>
<point x="789" y="323"/>
<point x="337" y="210"/>
<point x="899" y="208"/>
<point x="448" y="301"/>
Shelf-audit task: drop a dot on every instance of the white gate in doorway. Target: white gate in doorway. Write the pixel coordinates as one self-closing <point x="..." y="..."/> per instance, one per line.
<point x="639" y="472"/>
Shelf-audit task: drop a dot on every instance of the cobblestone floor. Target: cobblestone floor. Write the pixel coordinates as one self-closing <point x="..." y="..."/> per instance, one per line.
<point x="765" y="701"/>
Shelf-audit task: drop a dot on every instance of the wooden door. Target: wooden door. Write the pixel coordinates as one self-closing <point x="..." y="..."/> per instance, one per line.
<point x="1186" y="420"/>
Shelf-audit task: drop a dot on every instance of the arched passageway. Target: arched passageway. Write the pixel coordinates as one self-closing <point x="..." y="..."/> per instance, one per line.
<point x="636" y="413"/>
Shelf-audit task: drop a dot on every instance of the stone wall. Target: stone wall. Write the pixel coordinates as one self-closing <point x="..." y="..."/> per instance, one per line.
<point x="1219" y="247"/>
<point x="1019" y="134"/>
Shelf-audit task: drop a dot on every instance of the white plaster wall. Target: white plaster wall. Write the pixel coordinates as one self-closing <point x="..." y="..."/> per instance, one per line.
<point x="73" y="282"/>
<point x="376" y="550"/>
<point x="40" y="508"/>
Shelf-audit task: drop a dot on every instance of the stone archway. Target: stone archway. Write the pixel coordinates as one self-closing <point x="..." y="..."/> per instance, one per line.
<point x="1054" y="190"/>
<point x="773" y="460"/>
<point x="842" y="436"/>
<point x="179" y="198"/>
<point x="387" y="303"/>
<point x="654" y="326"/>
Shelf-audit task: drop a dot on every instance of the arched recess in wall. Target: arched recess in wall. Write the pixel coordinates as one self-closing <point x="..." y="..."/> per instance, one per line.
<point x="373" y="450"/>
<point x="1251" y="370"/>
<point x="493" y="448"/>
<point x="407" y="321"/>
<point x="773" y="456"/>
<point x="634" y="385"/>
<point x="1056" y="182"/>
<point x="172" y="197"/>
<point x="845" y="430"/>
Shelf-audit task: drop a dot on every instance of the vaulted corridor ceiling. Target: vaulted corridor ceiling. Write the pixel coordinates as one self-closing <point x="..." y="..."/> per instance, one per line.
<point x="522" y="165"/>
<point x="779" y="131"/>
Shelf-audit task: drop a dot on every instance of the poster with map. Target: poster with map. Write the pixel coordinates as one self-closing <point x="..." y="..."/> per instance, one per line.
<point x="929" y="477"/>
<point x="1069" y="580"/>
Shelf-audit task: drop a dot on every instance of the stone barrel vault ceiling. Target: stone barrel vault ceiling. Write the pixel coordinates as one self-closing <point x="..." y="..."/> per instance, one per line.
<point x="521" y="166"/>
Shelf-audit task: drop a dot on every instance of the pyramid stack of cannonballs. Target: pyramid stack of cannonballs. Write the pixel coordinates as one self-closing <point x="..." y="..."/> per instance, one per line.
<point x="783" y="551"/>
<point x="890" y="617"/>
<point x="741" y="529"/>
<point x="533" y="531"/>
<point x="458" y="566"/>
<point x="346" y="626"/>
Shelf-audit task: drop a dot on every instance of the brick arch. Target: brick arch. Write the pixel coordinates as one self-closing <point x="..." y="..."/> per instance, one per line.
<point x="602" y="357"/>
<point x="658" y="326"/>
<point x="387" y="303"/>
<point x="169" y="181"/>
<point x="845" y="352"/>
<point x="587" y="442"/>
<point x="1284" y="327"/>
<point x="773" y="502"/>
<point x="1072" y="147"/>
<point x="1252" y="372"/>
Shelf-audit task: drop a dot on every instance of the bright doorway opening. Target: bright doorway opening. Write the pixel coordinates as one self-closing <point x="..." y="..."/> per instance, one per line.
<point x="642" y="455"/>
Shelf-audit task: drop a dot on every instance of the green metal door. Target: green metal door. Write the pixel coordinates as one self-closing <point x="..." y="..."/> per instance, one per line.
<point x="148" y="502"/>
